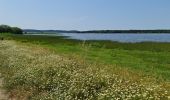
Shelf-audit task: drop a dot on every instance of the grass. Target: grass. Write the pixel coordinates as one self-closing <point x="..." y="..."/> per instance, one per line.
<point x="32" y="72"/>
<point x="50" y="68"/>
<point x="148" y="57"/>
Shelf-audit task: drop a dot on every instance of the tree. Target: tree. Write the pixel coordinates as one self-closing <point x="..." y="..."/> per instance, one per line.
<point x="5" y="28"/>
<point x="8" y="29"/>
<point x="16" y="30"/>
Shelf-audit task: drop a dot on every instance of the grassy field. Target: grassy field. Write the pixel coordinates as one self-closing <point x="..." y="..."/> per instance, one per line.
<point x="46" y="67"/>
<point x="151" y="58"/>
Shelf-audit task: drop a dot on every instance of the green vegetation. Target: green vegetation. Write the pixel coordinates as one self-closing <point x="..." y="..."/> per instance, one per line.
<point x="151" y="58"/>
<point x="49" y="68"/>
<point x="8" y="29"/>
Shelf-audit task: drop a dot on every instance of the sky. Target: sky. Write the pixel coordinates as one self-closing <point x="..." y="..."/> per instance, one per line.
<point x="86" y="14"/>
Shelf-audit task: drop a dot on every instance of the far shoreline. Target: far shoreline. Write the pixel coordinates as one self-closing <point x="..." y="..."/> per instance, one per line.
<point x="100" y="31"/>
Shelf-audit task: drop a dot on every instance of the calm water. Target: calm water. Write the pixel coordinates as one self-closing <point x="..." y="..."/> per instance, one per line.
<point x="117" y="37"/>
<point x="120" y="37"/>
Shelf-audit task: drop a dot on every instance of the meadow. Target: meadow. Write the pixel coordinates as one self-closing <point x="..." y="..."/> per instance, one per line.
<point x="149" y="57"/>
<point x="52" y="68"/>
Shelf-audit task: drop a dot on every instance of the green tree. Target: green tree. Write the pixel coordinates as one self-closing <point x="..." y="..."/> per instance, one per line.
<point x="16" y="30"/>
<point x="8" y="29"/>
<point x="5" y="28"/>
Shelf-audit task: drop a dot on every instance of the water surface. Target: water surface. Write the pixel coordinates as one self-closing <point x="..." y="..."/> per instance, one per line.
<point x="119" y="37"/>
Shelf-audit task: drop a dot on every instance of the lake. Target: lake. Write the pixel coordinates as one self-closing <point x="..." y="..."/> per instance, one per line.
<point x="119" y="37"/>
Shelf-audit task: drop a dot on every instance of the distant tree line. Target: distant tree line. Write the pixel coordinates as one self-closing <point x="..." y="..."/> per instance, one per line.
<point x="96" y="31"/>
<point x="126" y="31"/>
<point x="9" y="29"/>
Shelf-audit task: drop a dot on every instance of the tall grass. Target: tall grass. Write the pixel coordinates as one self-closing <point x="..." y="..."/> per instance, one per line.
<point x="36" y="73"/>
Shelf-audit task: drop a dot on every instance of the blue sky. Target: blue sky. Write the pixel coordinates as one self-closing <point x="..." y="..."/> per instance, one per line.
<point x="86" y="14"/>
